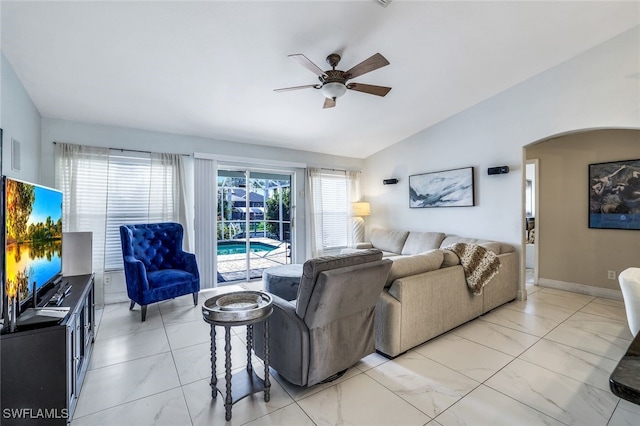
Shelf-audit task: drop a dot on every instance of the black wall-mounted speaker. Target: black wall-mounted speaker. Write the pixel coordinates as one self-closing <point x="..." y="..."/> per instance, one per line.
<point x="498" y="170"/>
<point x="390" y="181"/>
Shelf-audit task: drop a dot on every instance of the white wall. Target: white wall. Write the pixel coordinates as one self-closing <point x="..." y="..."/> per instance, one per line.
<point x="21" y="121"/>
<point x="597" y="89"/>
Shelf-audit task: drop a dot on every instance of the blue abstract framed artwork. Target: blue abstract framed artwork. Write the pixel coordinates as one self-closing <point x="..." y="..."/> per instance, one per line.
<point x="448" y="188"/>
<point x="614" y="195"/>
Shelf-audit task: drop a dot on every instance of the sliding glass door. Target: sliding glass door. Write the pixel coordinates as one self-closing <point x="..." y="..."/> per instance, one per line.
<point x="254" y="223"/>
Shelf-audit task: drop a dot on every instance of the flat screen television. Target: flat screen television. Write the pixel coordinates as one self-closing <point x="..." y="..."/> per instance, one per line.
<point x="32" y="239"/>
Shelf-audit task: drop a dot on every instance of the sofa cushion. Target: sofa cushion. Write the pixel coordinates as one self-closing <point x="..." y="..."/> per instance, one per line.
<point x="420" y="242"/>
<point x="404" y="266"/>
<point x="385" y="254"/>
<point x="386" y="240"/>
<point x="506" y="248"/>
<point x="363" y="246"/>
<point x="493" y="246"/>
<point x="450" y="258"/>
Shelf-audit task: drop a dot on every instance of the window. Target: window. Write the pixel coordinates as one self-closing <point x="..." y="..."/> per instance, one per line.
<point x="134" y="196"/>
<point x="331" y="196"/>
<point x="104" y="189"/>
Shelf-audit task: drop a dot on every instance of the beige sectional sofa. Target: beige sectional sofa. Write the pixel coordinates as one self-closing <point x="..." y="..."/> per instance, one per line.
<point x="426" y="292"/>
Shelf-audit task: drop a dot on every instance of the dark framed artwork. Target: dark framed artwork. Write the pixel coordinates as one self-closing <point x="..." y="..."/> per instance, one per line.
<point x="448" y="188"/>
<point x="614" y="195"/>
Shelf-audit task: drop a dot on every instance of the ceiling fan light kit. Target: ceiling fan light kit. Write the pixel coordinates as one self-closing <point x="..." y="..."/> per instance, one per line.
<point x="333" y="90"/>
<point x="334" y="82"/>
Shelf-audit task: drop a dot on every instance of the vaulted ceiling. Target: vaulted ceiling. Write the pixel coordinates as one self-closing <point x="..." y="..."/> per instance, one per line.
<point x="209" y="68"/>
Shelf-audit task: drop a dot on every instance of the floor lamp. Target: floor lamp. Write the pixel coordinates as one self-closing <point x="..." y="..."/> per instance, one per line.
<point x="359" y="210"/>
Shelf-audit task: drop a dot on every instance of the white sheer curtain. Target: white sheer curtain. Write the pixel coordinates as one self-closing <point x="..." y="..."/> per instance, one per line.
<point x="331" y="194"/>
<point x="167" y="192"/>
<point x="355" y="187"/>
<point x="105" y="188"/>
<point x="81" y="174"/>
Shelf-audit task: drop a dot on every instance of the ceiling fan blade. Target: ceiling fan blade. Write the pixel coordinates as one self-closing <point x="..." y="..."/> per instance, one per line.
<point x="286" y="89"/>
<point x="368" y="65"/>
<point x="306" y="62"/>
<point x="329" y="103"/>
<point x="370" y="89"/>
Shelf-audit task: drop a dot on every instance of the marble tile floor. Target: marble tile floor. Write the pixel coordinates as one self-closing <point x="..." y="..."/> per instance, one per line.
<point x="544" y="361"/>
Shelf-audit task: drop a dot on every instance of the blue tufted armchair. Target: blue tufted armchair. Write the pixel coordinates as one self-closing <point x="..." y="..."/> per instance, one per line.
<point x="155" y="267"/>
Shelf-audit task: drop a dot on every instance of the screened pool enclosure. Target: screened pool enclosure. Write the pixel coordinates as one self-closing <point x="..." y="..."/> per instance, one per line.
<point x="254" y="223"/>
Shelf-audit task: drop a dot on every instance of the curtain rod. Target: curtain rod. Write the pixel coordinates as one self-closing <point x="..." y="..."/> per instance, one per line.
<point x="339" y="170"/>
<point x="133" y="150"/>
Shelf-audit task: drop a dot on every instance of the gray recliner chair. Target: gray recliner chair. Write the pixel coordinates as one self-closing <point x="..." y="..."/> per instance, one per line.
<point x="330" y="326"/>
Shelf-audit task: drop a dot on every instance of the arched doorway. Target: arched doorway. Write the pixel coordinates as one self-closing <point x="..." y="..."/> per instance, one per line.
<point x="570" y="255"/>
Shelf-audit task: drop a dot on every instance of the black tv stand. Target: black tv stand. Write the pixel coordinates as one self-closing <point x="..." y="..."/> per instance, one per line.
<point x="59" y="295"/>
<point x="64" y="288"/>
<point x="43" y="364"/>
<point x="36" y="316"/>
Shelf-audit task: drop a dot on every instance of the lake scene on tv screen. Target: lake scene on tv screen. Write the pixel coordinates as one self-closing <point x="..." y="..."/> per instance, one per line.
<point x="33" y="236"/>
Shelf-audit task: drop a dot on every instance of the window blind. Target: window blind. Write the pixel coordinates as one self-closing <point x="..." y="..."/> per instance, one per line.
<point x="138" y="191"/>
<point x="331" y="215"/>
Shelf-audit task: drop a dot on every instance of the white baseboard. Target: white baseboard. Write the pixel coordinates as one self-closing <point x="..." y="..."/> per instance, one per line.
<point x="581" y="288"/>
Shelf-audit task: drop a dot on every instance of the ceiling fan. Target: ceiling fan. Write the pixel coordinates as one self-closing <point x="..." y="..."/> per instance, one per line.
<point x="333" y="82"/>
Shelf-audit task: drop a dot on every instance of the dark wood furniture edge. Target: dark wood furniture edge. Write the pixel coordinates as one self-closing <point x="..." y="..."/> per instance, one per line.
<point x="625" y="378"/>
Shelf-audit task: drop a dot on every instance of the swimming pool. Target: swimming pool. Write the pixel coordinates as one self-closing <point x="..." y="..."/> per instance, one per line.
<point x="240" y="247"/>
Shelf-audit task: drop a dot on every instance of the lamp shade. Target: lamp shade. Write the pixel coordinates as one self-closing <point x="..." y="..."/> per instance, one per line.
<point x="361" y="209"/>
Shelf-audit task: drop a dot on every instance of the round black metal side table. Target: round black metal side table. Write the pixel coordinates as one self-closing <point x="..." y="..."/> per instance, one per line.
<point x="231" y="310"/>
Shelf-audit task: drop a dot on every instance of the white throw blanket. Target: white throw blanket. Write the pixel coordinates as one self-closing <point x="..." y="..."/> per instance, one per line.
<point x="479" y="264"/>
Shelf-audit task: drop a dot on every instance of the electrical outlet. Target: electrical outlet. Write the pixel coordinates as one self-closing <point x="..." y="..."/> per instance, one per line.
<point x="107" y="279"/>
<point x="611" y="275"/>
